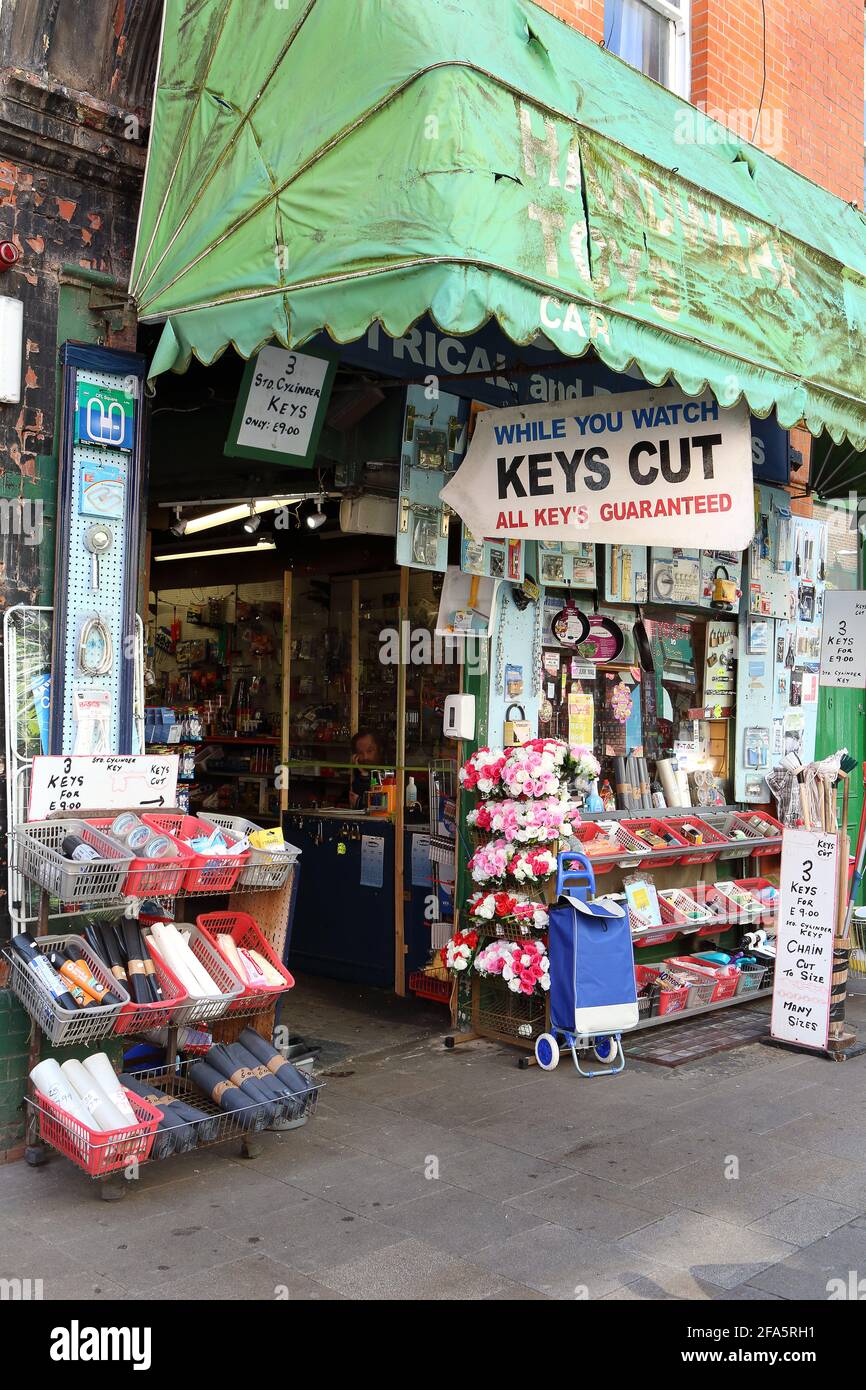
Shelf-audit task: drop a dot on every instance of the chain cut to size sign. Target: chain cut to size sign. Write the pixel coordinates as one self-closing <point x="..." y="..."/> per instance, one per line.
<point x="804" y="939"/>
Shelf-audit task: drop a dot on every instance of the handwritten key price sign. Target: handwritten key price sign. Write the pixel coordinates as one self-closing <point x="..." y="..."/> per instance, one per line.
<point x="101" y="781"/>
<point x="804" y="939"/>
<point x="843" y="641"/>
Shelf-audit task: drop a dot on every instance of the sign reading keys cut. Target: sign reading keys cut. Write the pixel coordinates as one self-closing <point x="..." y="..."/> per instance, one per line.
<point x="804" y="939"/>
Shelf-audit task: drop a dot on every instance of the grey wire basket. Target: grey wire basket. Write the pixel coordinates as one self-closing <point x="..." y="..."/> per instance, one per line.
<point x="265" y="869"/>
<point x="64" y="1027"/>
<point x="217" y="1125"/>
<point x="37" y="855"/>
<point x="206" y="1008"/>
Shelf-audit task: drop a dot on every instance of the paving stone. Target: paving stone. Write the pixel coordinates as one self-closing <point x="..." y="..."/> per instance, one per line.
<point x="715" y="1251"/>
<point x="563" y="1264"/>
<point x="141" y="1255"/>
<point x="586" y="1206"/>
<point x="459" y="1221"/>
<point x="484" y="1167"/>
<point x="251" y="1277"/>
<point x="363" y="1183"/>
<point x="412" y="1269"/>
<point x="316" y="1236"/>
<point x="813" y="1272"/>
<point x="804" y="1220"/>
<point x="703" y="1187"/>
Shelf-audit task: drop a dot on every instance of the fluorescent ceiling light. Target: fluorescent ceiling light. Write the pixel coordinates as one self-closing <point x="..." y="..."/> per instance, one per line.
<point x="239" y="513"/>
<point x="222" y="550"/>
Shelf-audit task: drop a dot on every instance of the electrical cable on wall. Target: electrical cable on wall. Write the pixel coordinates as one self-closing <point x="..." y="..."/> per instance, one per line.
<point x="764" y="75"/>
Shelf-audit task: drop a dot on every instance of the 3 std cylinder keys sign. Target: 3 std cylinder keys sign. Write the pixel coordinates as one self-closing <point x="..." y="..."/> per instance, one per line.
<point x="645" y="467"/>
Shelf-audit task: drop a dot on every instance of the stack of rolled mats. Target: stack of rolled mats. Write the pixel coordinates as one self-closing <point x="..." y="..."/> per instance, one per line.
<point x="181" y="1127"/>
<point x="251" y="1079"/>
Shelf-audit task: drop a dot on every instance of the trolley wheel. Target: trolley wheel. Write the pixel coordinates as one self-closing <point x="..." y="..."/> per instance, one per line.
<point x="547" y="1051"/>
<point x="606" y="1050"/>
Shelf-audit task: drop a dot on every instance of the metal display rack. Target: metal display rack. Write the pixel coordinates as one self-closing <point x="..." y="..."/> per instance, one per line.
<point x="492" y="1020"/>
<point x="266" y="892"/>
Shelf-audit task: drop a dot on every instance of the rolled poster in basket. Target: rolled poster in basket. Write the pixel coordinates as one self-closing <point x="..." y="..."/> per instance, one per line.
<point x="592" y="983"/>
<point x="228" y="1096"/>
<point x="105" y="1077"/>
<point x="274" y="1061"/>
<point x="240" y="1075"/>
<point x="186" y="1124"/>
<point x="104" y="1114"/>
<point x="49" y="1081"/>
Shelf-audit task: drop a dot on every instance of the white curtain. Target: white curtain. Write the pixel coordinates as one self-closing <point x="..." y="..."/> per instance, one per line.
<point x="640" y="35"/>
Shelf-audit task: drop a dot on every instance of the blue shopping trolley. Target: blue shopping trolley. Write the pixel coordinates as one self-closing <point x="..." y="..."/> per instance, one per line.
<point x="593" y="996"/>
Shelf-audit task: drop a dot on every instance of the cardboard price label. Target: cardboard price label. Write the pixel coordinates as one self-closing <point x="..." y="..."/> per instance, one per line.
<point x="843" y="640"/>
<point x="101" y="781"/>
<point x="804" y="939"/>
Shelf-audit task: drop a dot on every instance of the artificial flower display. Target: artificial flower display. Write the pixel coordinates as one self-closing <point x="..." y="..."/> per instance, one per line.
<point x="490" y="862"/>
<point x="523" y="965"/>
<point x="532" y="865"/>
<point x="525" y="822"/>
<point x="482" y="772"/>
<point x="508" y="909"/>
<point x="583" y="765"/>
<point x="535" y="771"/>
<point x="457" y="953"/>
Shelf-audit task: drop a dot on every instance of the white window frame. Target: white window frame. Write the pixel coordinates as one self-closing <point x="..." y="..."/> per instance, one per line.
<point x="679" y="68"/>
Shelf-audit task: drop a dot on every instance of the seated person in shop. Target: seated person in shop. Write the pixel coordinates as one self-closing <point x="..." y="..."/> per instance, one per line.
<point x="367" y="751"/>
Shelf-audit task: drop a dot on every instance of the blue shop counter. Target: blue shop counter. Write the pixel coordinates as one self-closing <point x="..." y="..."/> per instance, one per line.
<point x="343" y="921"/>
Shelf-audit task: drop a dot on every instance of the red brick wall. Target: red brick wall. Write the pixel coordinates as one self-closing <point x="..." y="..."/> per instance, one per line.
<point x="585" y="15"/>
<point x="812" y="108"/>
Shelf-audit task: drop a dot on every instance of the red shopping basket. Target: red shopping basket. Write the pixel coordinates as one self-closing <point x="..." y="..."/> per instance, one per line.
<point x="726" y="984"/>
<point x="670" y="1001"/>
<point x="245" y="931"/>
<point x="151" y="878"/>
<point x="207" y="873"/>
<point x="763" y="824"/>
<point x="98" y="1151"/>
<point x="142" y="1018"/>
<point x="713" y="842"/>
<point x="658" y="827"/>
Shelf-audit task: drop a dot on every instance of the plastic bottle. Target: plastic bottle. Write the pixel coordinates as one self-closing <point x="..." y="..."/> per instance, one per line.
<point x="594" y="801"/>
<point x="411" y="792"/>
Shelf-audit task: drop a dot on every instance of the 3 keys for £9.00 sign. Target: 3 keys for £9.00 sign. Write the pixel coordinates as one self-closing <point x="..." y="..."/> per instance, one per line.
<point x="804" y="938"/>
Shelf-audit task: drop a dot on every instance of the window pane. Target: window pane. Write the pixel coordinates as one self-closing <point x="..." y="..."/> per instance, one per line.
<point x="640" y="35"/>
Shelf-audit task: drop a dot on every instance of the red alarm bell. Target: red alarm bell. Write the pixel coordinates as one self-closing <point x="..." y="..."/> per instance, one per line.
<point x="9" y="254"/>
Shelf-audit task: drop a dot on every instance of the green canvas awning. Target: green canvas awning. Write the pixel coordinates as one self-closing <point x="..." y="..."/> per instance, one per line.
<point x="317" y="165"/>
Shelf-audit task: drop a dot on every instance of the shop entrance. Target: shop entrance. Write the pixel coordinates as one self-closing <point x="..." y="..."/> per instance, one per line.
<point x="274" y="639"/>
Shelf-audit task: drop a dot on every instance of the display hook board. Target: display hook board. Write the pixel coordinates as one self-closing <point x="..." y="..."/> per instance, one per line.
<point x="804" y="939"/>
<point x="102" y="781"/>
<point x="843" y="640"/>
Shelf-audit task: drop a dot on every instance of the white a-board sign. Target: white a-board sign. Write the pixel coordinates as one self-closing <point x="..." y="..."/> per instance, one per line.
<point x="81" y="783"/>
<point x="804" y="938"/>
<point x="843" y="640"/>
